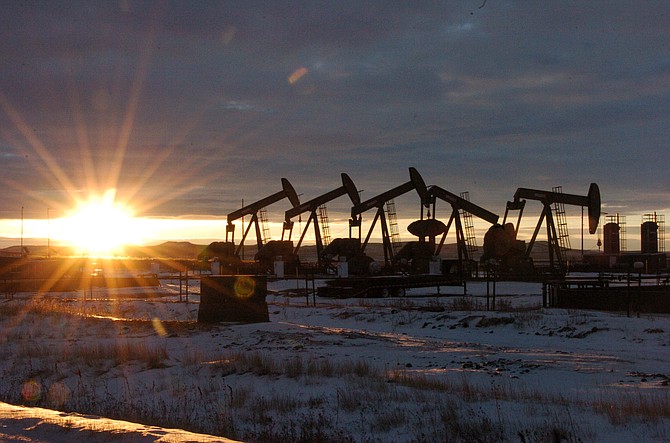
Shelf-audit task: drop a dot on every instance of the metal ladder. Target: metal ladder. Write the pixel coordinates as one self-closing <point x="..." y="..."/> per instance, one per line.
<point x="468" y="227"/>
<point x="394" y="233"/>
<point x="660" y="219"/>
<point x="620" y="220"/>
<point x="323" y="221"/>
<point x="561" y="222"/>
<point x="623" y="241"/>
<point x="265" y="229"/>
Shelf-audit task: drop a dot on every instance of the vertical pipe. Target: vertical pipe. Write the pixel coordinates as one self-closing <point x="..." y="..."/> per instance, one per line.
<point x="21" y="230"/>
<point x="582" y="233"/>
<point x="180" y="283"/>
<point x="48" y="234"/>
<point x="242" y="245"/>
<point x="187" y="284"/>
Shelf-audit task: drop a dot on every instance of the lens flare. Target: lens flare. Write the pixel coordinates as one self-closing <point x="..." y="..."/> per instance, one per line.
<point x="245" y="287"/>
<point x="31" y="391"/>
<point x="297" y="75"/>
<point x="158" y="327"/>
<point x="58" y="394"/>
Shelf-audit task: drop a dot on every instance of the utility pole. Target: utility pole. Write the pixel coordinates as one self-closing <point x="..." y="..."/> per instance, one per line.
<point x="48" y="233"/>
<point x="243" y="231"/>
<point x="21" y="252"/>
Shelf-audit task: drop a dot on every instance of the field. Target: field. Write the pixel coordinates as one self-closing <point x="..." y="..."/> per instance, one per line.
<point x="418" y="368"/>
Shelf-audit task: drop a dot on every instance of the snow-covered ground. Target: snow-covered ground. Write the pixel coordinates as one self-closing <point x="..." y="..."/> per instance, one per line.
<point x="419" y="368"/>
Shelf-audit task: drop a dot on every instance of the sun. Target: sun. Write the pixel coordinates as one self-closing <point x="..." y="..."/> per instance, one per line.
<point x="101" y="226"/>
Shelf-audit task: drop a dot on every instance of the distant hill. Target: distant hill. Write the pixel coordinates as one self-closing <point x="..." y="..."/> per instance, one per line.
<point x="15" y="251"/>
<point x="188" y="250"/>
<point x="169" y="249"/>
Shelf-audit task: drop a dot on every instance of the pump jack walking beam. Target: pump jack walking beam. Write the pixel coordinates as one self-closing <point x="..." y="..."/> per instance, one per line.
<point x="313" y="205"/>
<point x="252" y="209"/>
<point x="457" y="204"/>
<point x="591" y="201"/>
<point x="415" y="182"/>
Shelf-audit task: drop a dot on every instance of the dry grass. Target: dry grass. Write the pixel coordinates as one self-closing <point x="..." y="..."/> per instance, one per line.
<point x="362" y="402"/>
<point x="385" y="402"/>
<point x="295" y="366"/>
<point x="111" y="353"/>
<point x="387" y="420"/>
<point x="461" y="386"/>
<point x="619" y="409"/>
<point x="465" y="304"/>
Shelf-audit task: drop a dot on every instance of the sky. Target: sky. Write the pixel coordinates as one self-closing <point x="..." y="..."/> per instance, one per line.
<point x="186" y="109"/>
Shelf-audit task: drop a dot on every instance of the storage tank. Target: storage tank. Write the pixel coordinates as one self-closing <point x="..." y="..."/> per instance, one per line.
<point x="649" y="234"/>
<point x="611" y="244"/>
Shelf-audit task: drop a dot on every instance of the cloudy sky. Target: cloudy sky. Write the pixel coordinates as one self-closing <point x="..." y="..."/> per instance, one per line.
<point x="185" y="108"/>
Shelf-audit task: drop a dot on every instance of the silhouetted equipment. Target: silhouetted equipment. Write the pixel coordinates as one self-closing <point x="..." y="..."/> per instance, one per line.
<point x="312" y="206"/>
<point x="649" y="241"/>
<point x="561" y="223"/>
<point x="277" y="250"/>
<point x="419" y="253"/>
<point x="415" y="256"/>
<point x="222" y="252"/>
<point x="630" y="292"/>
<point x="415" y="183"/>
<point x="614" y="235"/>
<point x="591" y="201"/>
<point x="348" y="249"/>
<point x="615" y="255"/>
<point x="217" y="249"/>
<point x="611" y="241"/>
<point x="253" y="209"/>
<point x="427" y="227"/>
<point x="233" y="298"/>
<point x="395" y="285"/>
<point x="458" y="205"/>
<point x="652" y="233"/>
<point x="501" y="250"/>
<point x="501" y="245"/>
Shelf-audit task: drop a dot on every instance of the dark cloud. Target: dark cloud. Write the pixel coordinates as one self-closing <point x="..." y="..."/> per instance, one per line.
<point x="186" y="107"/>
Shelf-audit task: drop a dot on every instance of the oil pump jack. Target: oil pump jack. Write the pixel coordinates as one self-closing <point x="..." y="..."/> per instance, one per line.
<point x="428" y="228"/>
<point x="415" y="183"/>
<point x="253" y="210"/>
<point x="312" y="206"/>
<point x="421" y="252"/>
<point x="500" y="241"/>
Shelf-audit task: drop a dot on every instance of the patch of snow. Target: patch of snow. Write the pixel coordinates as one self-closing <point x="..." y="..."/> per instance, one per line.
<point x="388" y="369"/>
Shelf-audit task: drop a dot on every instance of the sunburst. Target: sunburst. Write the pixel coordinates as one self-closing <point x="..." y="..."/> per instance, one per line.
<point x="100" y="226"/>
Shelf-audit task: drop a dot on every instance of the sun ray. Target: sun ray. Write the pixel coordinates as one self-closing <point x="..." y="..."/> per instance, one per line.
<point x="91" y="177"/>
<point x="82" y="137"/>
<point x="100" y="226"/>
<point x="61" y="178"/>
<point x="133" y="103"/>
